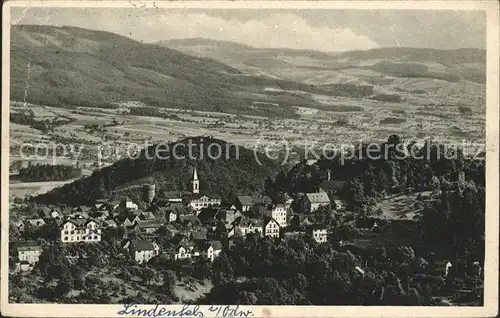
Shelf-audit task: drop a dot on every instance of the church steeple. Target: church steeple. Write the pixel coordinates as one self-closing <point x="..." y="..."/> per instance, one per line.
<point x="195" y="183"/>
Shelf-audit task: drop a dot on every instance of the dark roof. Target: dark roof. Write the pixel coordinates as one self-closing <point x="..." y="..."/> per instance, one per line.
<point x="217" y="245"/>
<point x="229" y="215"/>
<point x="157" y="222"/>
<point x="263" y="199"/>
<point x="185" y="218"/>
<point x="208" y="213"/>
<point x="180" y="239"/>
<point x="172" y="195"/>
<point x="199" y="234"/>
<point x="317" y="226"/>
<point x="318" y="197"/>
<point x="245" y="200"/>
<point x="141" y="245"/>
<point x="176" y="207"/>
<point x="267" y="220"/>
<point x="245" y="222"/>
<point x="213" y="196"/>
<point x="29" y="246"/>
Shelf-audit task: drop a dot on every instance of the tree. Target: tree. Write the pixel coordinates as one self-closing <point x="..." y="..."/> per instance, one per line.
<point x="222" y="269"/>
<point x="147" y="275"/>
<point x="65" y="284"/>
<point x="201" y="268"/>
<point x="169" y="281"/>
<point x="355" y="196"/>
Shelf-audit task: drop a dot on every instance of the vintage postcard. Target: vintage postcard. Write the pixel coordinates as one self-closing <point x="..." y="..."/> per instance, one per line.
<point x="250" y="159"/>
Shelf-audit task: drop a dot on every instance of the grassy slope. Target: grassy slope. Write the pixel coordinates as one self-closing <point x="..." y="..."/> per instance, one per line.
<point x="318" y="68"/>
<point x="73" y="66"/>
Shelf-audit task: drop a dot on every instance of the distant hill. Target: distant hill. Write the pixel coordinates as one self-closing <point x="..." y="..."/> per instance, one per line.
<point x="379" y="67"/>
<point x="238" y="173"/>
<point x="64" y="66"/>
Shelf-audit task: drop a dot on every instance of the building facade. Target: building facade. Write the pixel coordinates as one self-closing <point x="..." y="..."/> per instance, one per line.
<point x="73" y="231"/>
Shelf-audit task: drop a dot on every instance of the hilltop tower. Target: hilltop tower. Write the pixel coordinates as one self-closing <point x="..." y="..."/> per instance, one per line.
<point x="148" y="193"/>
<point x="195" y="183"/>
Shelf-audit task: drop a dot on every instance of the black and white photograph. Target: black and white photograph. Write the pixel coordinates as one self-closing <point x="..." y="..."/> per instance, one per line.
<point x="207" y="161"/>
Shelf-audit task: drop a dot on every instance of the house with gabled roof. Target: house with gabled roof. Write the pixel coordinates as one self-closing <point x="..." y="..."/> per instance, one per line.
<point x="208" y="249"/>
<point x="199" y="235"/>
<point x="249" y="225"/>
<point x="313" y="201"/>
<point x="142" y="250"/>
<point x="244" y="203"/>
<point x="109" y="224"/>
<point x="279" y="212"/>
<point x="199" y="201"/>
<point x="29" y="252"/>
<point x="229" y="216"/>
<point x="207" y="216"/>
<point x="20" y="225"/>
<point x="318" y="232"/>
<point x="127" y="219"/>
<point x="129" y="204"/>
<point x="80" y="231"/>
<point x="188" y="220"/>
<point x="183" y="248"/>
<point x="146" y="215"/>
<point x="54" y="214"/>
<point x="271" y="228"/>
<point x="150" y="225"/>
<point x="37" y="222"/>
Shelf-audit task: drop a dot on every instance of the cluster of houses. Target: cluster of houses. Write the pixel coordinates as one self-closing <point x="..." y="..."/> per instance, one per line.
<point x="195" y="227"/>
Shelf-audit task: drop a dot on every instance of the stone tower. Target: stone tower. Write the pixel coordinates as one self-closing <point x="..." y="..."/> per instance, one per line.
<point x="195" y="183"/>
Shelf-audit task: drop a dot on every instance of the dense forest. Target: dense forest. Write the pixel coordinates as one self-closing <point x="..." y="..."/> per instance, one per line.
<point x="48" y="172"/>
<point x="236" y="171"/>
<point x="299" y="271"/>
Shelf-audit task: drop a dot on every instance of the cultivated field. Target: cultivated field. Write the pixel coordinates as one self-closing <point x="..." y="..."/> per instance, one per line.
<point x="312" y="127"/>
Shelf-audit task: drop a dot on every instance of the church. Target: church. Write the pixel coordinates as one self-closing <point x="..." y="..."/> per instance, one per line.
<point x="201" y="200"/>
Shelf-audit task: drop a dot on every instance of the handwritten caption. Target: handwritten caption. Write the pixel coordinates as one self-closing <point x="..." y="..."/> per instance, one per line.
<point x="185" y="311"/>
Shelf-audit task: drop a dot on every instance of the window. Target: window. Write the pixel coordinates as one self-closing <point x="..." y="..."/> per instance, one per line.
<point x="65" y="232"/>
<point x="72" y="232"/>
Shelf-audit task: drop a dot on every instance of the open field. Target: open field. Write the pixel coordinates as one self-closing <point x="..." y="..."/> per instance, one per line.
<point x="313" y="129"/>
<point x="402" y="206"/>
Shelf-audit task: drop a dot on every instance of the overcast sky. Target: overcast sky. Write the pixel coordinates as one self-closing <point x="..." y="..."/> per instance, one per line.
<point x="324" y="30"/>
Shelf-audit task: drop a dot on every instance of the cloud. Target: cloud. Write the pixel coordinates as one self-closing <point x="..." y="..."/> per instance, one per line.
<point x="273" y="31"/>
<point x="276" y="30"/>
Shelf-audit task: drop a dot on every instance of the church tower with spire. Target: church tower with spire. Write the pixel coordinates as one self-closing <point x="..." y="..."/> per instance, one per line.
<point x="195" y="183"/>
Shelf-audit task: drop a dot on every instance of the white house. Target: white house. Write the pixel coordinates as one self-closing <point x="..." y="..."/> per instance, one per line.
<point x="129" y="204"/>
<point x="55" y="214"/>
<point x="212" y="250"/>
<point x="271" y="228"/>
<point x="279" y="213"/>
<point x="248" y="226"/>
<point x="142" y="250"/>
<point x="200" y="201"/>
<point x="80" y="231"/>
<point x="29" y="253"/>
<point x="318" y="233"/>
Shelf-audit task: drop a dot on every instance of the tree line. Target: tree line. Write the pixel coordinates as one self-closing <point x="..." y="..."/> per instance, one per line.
<point x="48" y="172"/>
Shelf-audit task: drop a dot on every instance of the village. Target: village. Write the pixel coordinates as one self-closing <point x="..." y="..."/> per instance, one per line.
<point x="198" y="224"/>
